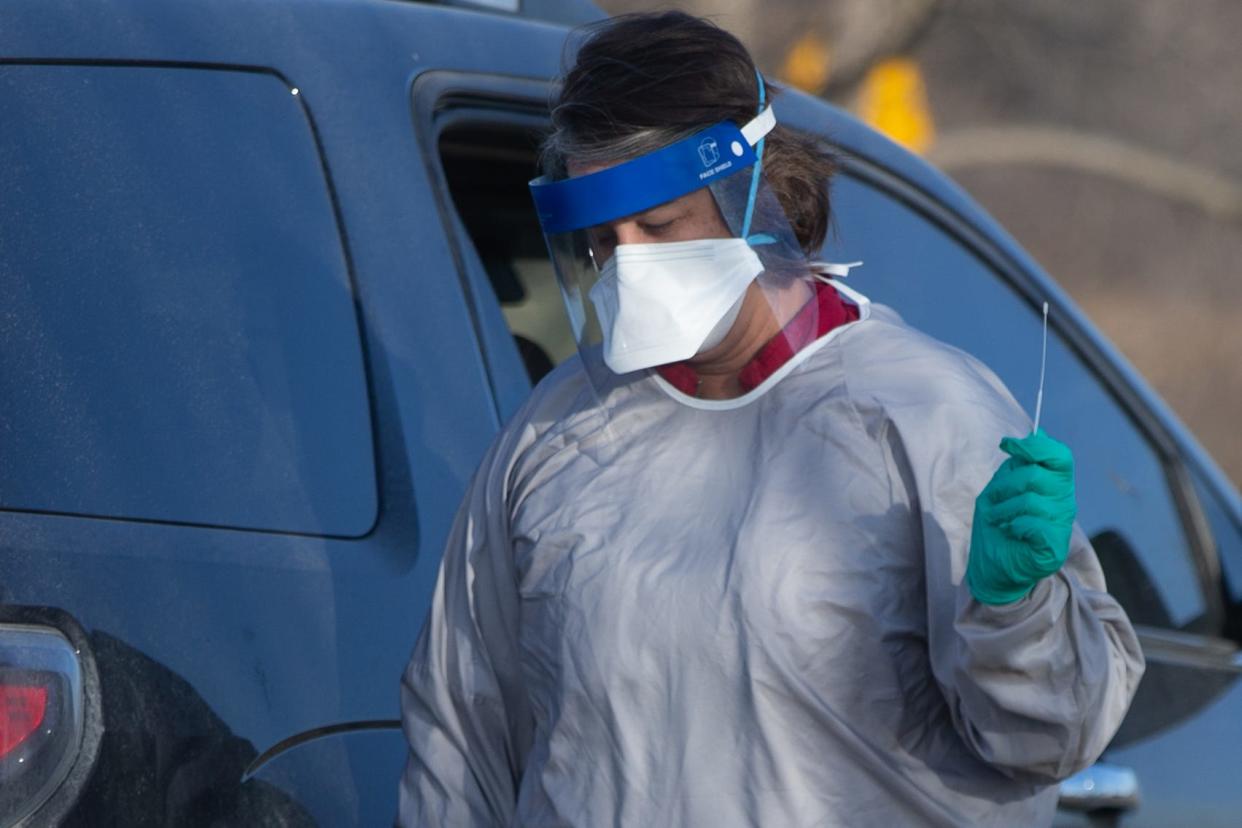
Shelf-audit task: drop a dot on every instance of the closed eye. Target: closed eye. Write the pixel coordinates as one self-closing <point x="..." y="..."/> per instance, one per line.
<point x="656" y="229"/>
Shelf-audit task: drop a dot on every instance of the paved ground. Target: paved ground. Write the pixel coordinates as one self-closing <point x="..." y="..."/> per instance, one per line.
<point x="1113" y="153"/>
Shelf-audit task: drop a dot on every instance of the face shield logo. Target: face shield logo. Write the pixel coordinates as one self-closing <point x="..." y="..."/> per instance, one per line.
<point x="708" y="152"/>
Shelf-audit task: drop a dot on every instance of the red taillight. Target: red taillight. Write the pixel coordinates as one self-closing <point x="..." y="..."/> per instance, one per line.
<point x="21" y="712"/>
<point x="41" y="717"/>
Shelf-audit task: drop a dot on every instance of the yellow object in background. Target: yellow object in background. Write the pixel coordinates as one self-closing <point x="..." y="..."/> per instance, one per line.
<point x="893" y="99"/>
<point x="808" y="64"/>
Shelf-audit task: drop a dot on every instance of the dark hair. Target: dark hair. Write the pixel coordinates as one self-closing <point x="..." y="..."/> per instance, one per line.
<point x="642" y="81"/>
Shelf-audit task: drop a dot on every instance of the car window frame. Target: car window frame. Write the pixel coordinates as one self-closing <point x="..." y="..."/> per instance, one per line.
<point x="442" y="99"/>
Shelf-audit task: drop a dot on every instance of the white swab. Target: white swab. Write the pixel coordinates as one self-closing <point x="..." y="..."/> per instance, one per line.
<point x="1043" y="361"/>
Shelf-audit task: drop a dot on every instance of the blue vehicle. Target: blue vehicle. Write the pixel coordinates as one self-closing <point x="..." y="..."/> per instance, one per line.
<point x="270" y="282"/>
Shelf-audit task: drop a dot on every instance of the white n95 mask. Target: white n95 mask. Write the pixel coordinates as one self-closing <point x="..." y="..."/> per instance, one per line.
<point x="662" y="303"/>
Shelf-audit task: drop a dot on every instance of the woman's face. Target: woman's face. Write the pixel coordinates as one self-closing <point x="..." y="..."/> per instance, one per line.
<point x="693" y="216"/>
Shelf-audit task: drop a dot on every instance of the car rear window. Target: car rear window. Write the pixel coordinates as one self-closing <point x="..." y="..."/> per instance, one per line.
<point x="178" y="335"/>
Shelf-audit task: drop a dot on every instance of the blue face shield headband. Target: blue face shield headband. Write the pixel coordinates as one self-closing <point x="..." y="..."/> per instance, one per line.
<point x="692" y="163"/>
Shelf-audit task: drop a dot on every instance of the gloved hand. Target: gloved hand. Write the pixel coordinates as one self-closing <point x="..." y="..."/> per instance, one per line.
<point x="1023" y="519"/>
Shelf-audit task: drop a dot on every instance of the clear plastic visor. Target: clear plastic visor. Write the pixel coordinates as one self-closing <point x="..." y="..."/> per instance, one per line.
<point x="678" y="290"/>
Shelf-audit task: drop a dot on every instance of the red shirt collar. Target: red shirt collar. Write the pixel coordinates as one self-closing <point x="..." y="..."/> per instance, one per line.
<point x="815" y="319"/>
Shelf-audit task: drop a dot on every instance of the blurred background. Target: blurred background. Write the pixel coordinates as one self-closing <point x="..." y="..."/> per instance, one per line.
<point x="1104" y="136"/>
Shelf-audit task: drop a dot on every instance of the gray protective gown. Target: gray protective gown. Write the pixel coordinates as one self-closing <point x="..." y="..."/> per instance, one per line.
<point x="755" y="616"/>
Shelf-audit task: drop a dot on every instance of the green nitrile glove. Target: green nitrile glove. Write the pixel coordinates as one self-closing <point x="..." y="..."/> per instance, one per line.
<point x="1023" y="519"/>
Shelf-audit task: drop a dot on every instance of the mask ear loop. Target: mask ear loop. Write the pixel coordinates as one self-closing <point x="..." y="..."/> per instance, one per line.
<point x="759" y="238"/>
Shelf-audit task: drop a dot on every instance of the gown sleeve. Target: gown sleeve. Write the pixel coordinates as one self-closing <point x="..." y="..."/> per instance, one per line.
<point x="1036" y="688"/>
<point x="464" y="713"/>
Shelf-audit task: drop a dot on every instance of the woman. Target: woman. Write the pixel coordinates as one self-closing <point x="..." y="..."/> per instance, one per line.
<point x="749" y="559"/>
